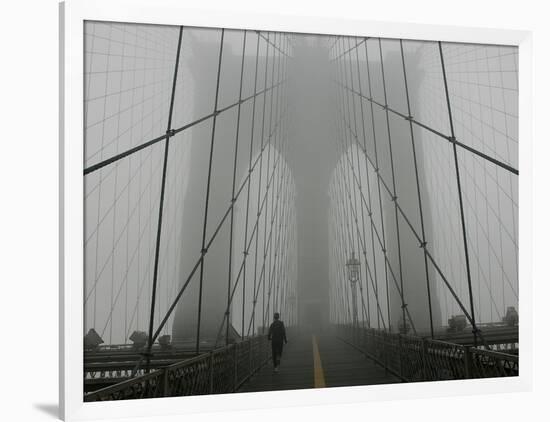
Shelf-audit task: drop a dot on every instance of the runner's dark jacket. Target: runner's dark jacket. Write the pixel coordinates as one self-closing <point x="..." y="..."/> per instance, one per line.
<point x="277" y="332"/>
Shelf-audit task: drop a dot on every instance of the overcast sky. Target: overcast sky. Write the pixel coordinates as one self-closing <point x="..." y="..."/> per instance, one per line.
<point x="313" y="119"/>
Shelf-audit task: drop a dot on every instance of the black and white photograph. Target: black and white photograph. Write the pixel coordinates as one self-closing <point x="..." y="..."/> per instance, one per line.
<point x="279" y="211"/>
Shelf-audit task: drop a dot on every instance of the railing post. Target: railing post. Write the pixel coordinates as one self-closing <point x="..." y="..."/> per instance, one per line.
<point x="235" y="367"/>
<point x="165" y="384"/>
<point x="424" y="354"/>
<point x="385" y="351"/>
<point x="368" y="342"/>
<point x="400" y="354"/>
<point x="250" y="366"/>
<point x="211" y="381"/>
<point x="266" y="350"/>
<point x="468" y="367"/>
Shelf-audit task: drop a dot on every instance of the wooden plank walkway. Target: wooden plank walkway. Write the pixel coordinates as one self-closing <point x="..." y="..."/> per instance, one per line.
<point x="296" y="370"/>
<point x="316" y="361"/>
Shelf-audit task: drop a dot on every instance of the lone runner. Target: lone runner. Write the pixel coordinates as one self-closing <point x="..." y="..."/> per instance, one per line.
<point x="277" y="334"/>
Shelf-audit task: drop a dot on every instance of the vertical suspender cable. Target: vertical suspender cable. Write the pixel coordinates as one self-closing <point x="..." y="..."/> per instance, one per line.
<point x="207" y="198"/>
<point x="462" y="217"/>
<point x="377" y="171"/>
<point x="394" y="190"/>
<point x="245" y="249"/>
<point x="231" y="221"/>
<point x="161" y="204"/>
<point x="423" y="244"/>
<point x="260" y="178"/>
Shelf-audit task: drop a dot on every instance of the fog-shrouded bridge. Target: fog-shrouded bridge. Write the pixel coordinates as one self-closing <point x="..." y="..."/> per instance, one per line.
<point x="366" y="189"/>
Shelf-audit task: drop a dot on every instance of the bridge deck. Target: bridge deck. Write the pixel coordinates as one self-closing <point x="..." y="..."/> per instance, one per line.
<point x="316" y="361"/>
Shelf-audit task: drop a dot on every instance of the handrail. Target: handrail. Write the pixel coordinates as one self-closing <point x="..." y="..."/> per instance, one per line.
<point x="413" y="358"/>
<point x="218" y="371"/>
<point x="492" y="353"/>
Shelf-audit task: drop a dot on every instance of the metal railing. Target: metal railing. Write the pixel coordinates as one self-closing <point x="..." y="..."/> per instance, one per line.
<point x="420" y="359"/>
<point x="222" y="370"/>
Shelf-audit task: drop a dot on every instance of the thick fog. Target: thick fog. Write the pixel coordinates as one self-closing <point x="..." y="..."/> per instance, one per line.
<point x="282" y="160"/>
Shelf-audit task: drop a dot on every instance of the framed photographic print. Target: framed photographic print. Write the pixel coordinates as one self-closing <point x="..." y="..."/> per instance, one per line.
<point x="293" y="208"/>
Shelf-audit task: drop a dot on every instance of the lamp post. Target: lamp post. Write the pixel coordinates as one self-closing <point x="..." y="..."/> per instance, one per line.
<point x="353" y="276"/>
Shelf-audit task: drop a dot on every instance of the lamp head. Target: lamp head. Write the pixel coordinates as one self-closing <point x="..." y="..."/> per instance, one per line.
<point x="353" y="268"/>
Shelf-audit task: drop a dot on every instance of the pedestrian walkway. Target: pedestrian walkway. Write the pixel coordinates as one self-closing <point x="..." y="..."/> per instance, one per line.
<point x="317" y="361"/>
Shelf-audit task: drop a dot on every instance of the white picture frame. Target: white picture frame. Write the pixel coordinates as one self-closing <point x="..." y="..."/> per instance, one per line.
<point x="73" y="13"/>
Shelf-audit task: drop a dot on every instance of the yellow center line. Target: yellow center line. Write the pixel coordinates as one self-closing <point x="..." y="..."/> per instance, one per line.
<point x="318" y="374"/>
